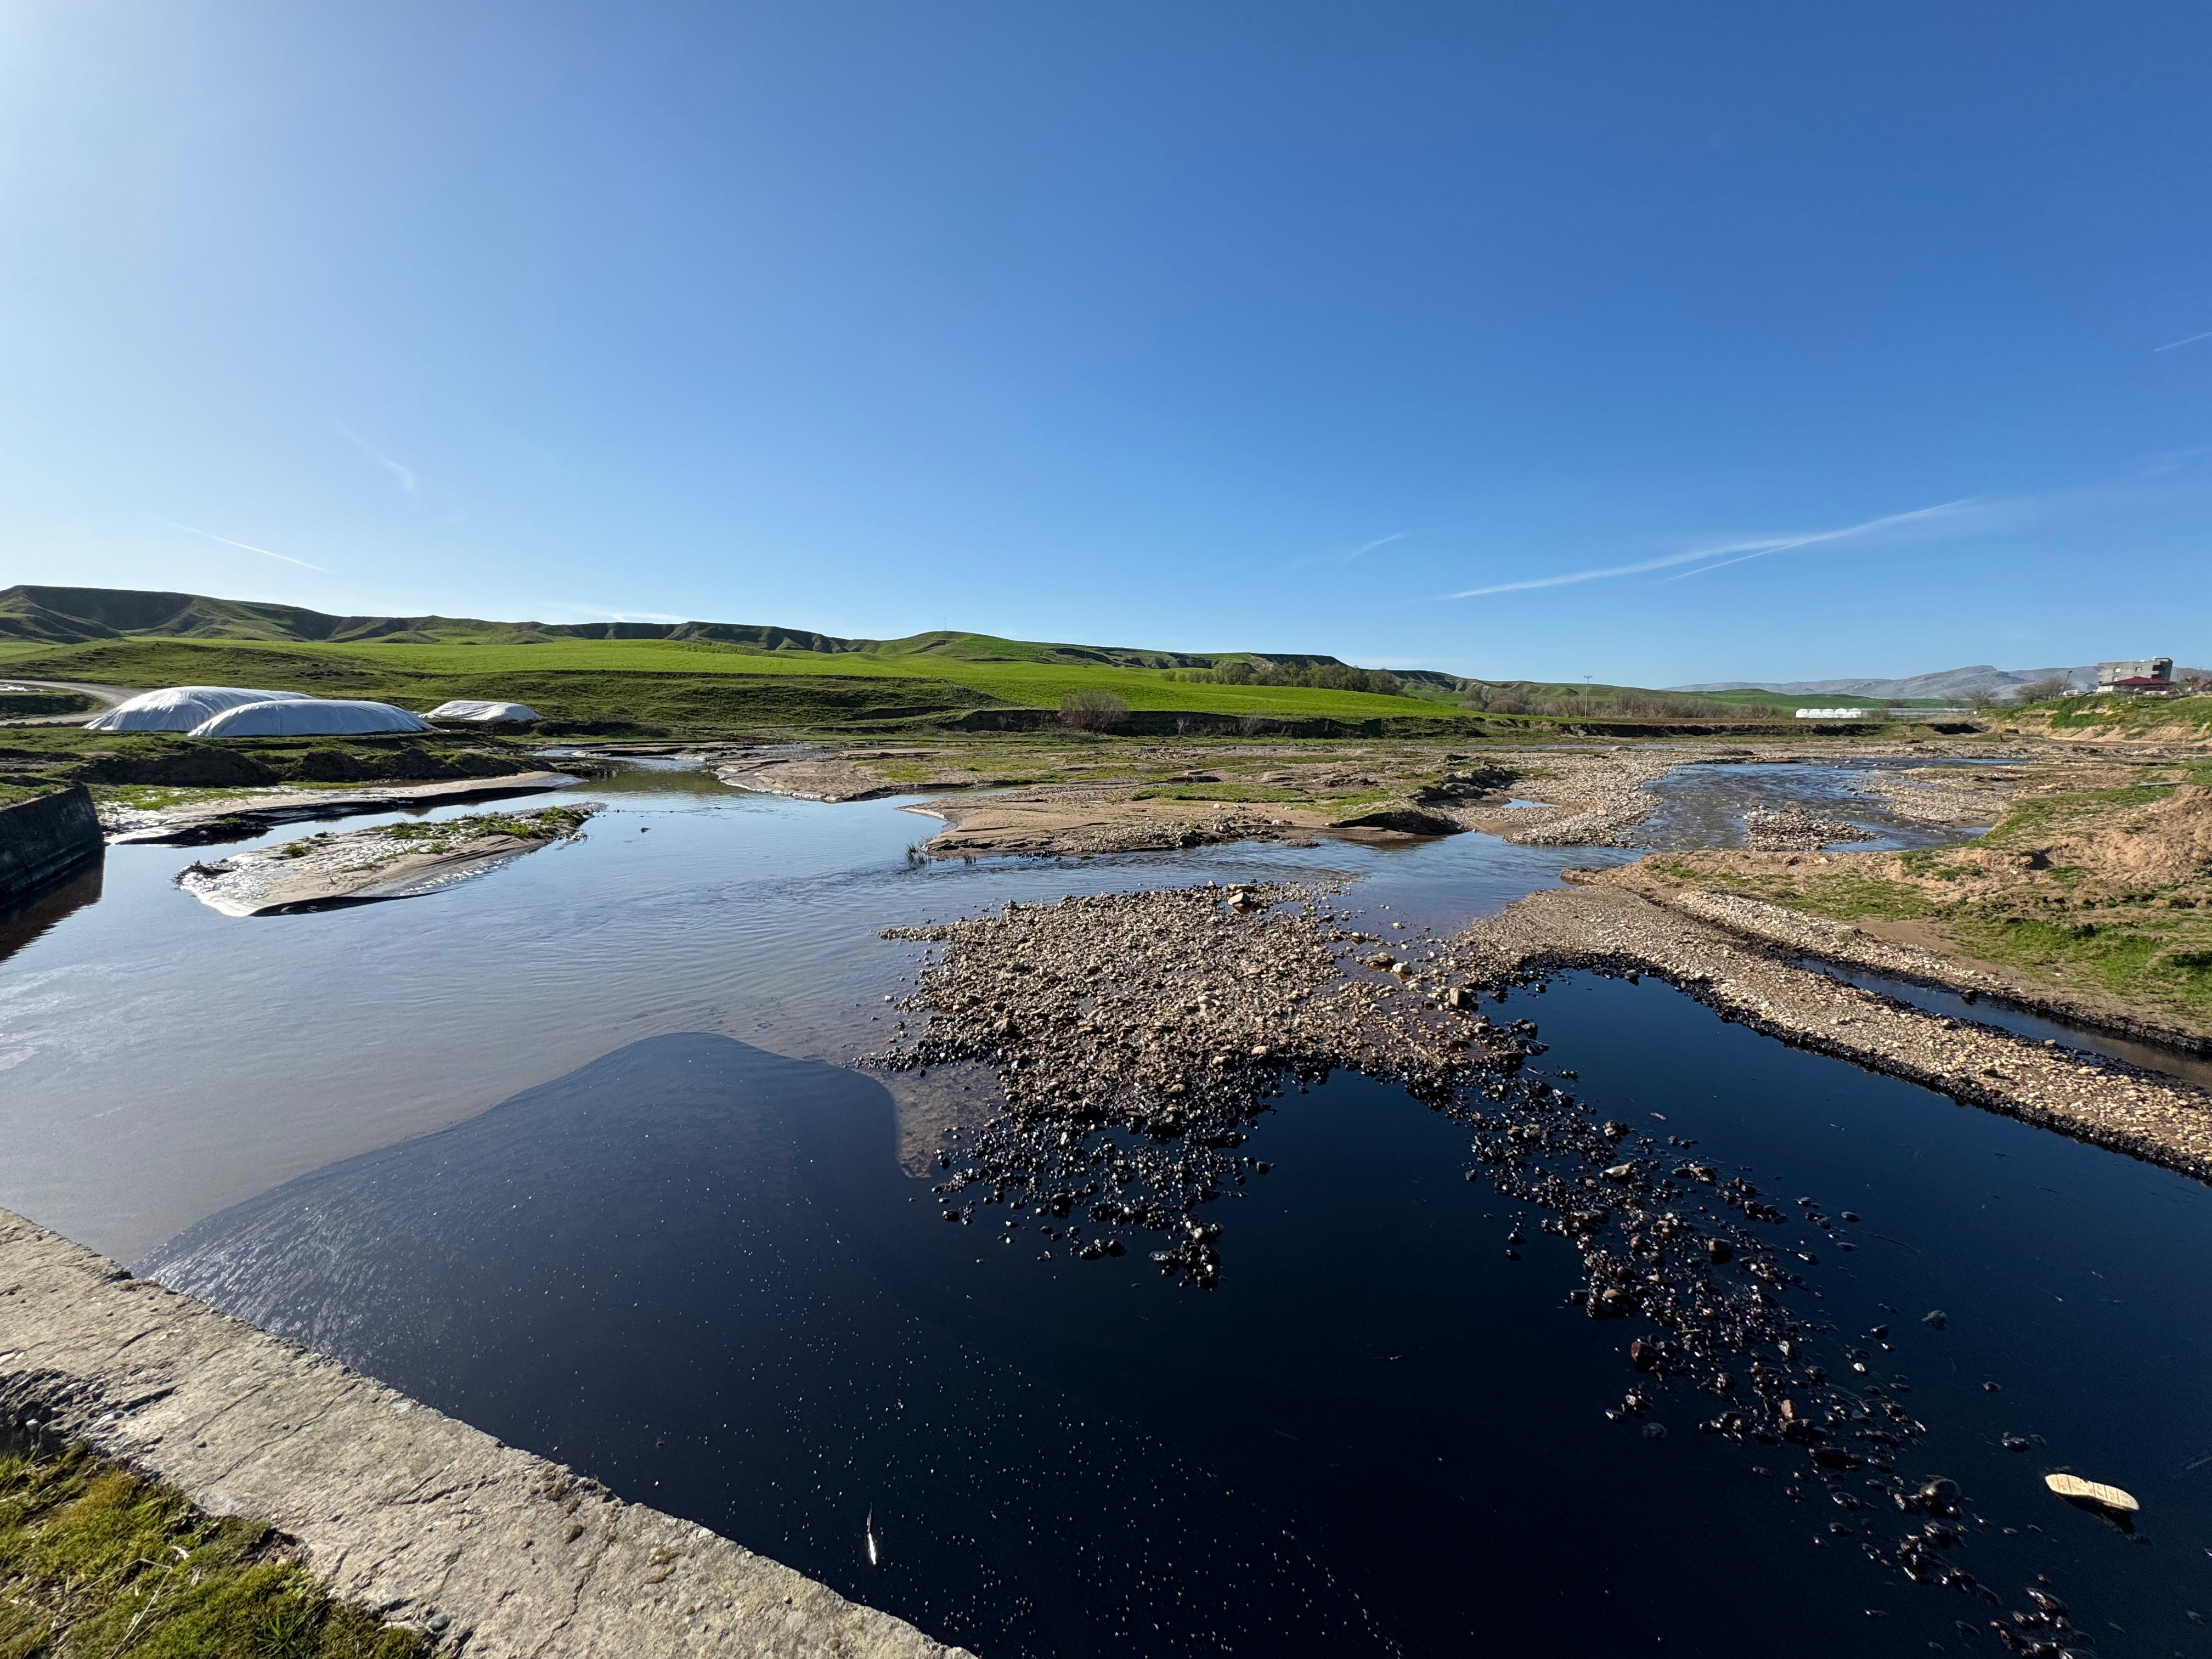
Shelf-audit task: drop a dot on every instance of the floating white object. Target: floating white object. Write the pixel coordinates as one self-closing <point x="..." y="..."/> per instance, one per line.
<point x="309" y="717"/>
<point x="463" y="709"/>
<point x="178" y="708"/>
<point x="2094" y="1491"/>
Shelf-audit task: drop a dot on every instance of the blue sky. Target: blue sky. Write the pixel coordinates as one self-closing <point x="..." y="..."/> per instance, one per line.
<point x="1654" y="343"/>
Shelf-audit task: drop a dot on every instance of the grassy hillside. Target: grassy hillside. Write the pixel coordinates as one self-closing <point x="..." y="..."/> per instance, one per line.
<point x="685" y="681"/>
<point x="75" y="615"/>
<point x="698" y="675"/>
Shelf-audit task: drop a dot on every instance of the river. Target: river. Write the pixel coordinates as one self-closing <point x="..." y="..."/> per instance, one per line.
<point x="576" y="1152"/>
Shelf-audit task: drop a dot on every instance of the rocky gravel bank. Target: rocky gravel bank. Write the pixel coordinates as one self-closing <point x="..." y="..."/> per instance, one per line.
<point x="1168" y="1019"/>
<point x="1614" y="930"/>
<point x="1137" y="1039"/>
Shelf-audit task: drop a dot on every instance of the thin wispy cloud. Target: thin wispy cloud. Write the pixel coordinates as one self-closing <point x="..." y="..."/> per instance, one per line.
<point x="2171" y="344"/>
<point x="246" y="546"/>
<point x="605" y="613"/>
<point x="1380" y="541"/>
<point x="1359" y="552"/>
<point x="401" y="474"/>
<point x="1716" y="558"/>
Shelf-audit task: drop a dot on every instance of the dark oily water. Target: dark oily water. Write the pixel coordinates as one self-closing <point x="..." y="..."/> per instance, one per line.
<point x="692" y="1268"/>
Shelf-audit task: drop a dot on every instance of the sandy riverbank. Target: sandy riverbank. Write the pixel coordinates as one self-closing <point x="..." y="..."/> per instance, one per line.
<point x="390" y="861"/>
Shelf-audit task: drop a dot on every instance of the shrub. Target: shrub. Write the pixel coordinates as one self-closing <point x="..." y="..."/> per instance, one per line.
<point x="1093" y="711"/>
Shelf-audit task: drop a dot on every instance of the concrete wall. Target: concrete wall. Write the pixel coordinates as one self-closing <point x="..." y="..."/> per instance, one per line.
<point x="427" y="1521"/>
<point x="45" y="838"/>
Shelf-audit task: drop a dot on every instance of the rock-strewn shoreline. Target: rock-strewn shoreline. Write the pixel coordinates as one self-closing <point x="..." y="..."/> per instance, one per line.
<point x="498" y="1553"/>
<point x="1137" y="1037"/>
<point x="1614" y="930"/>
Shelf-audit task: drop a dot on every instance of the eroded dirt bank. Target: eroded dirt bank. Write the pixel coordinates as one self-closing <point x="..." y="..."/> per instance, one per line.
<point x="497" y="1554"/>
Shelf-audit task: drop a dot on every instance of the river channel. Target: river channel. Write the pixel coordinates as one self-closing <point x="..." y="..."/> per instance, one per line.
<point x="576" y="1151"/>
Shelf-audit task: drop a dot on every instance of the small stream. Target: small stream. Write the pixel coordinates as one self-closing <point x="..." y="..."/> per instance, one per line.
<point x="1703" y="805"/>
<point x="576" y="1152"/>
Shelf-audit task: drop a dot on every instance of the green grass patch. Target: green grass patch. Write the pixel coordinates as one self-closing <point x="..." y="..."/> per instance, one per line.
<point x="2141" y="955"/>
<point x="97" y="1563"/>
<point x="678" y="680"/>
<point x="545" y="823"/>
<point x="2123" y="714"/>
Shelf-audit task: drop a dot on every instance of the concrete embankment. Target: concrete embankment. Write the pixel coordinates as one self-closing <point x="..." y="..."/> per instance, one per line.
<point x="45" y="838"/>
<point x="421" y="1518"/>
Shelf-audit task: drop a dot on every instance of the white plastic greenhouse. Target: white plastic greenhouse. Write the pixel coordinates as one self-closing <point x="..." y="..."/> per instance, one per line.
<point x="309" y="717"/>
<point x="178" y="708"/>
<point x="489" y="713"/>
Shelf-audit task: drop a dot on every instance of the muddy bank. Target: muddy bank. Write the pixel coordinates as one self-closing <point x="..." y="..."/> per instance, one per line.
<point x="390" y="861"/>
<point x="229" y="817"/>
<point x="1614" y="930"/>
<point x="423" y="1520"/>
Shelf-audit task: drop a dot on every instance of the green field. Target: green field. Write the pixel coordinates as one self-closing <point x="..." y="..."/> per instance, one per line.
<point x="695" y="677"/>
<point x="675" y="681"/>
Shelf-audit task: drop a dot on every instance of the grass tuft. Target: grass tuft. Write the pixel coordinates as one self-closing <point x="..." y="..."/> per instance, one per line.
<point x="96" y="1562"/>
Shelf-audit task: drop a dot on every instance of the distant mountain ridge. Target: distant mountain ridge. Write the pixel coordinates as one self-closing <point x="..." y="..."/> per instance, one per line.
<point x="1946" y="682"/>
<point x="77" y="616"/>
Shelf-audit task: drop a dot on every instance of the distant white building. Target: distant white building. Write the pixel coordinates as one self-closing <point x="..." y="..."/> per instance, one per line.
<point x="1831" y="714"/>
<point x="2151" y="675"/>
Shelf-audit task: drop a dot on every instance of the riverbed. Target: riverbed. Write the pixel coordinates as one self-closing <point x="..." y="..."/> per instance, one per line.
<point x="576" y="1151"/>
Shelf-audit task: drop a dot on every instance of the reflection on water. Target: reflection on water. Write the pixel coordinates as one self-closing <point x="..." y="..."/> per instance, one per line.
<point x="1703" y="805"/>
<point x="161" y="1061"/>
<point x="659" y="1238"/>
<point x="28" y="919"/>
<point x="692" y="1268"/>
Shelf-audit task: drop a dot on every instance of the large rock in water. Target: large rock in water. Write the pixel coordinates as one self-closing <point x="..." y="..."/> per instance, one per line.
<point x="1404" y="818"/>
